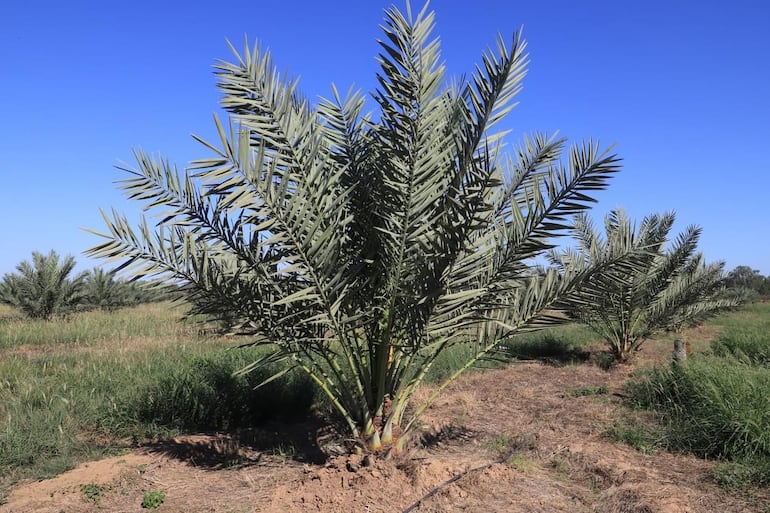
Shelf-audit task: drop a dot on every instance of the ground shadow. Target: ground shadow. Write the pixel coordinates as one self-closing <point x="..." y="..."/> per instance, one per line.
<point x="548" y="349"/>
<point x="297" y="441"/>
<point x="447" y="434"/>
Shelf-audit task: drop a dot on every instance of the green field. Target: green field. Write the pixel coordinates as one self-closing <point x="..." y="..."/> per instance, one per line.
<point x="97" y="382"/>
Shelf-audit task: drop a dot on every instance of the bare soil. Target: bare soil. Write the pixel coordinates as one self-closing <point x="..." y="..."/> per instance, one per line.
<point x="557" y="458"/>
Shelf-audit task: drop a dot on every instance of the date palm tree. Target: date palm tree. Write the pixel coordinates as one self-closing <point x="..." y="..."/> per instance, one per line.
<point x="668" y="289"/>
<point x="43" y="287"/>
<point x="359" y="246"/>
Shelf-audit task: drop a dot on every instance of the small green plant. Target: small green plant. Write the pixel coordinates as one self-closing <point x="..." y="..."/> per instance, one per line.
<point x="92" y="492"/>
<point x="605" y="360"/>
<point x="153" y="499"/>
<point x="736" y="475"/>
<point x="285" y="451"/>
<point x="501" y="444"/>
<point x="642" y="436"/>
<point x="521" y="462"/>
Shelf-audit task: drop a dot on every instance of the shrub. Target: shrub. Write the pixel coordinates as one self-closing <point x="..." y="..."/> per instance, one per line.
<point x="207" y="393"/>
<point x="153" y="499"/>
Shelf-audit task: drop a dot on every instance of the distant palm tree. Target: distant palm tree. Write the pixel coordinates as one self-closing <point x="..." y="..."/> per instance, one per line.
<point x="43" y="288"/>
<point x="360" y="247"/>
<point x="666" y="290"/>
<point x="101" y="290"/>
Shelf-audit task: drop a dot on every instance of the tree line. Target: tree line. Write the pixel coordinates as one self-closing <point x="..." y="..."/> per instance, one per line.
<point x="743" y="279"/>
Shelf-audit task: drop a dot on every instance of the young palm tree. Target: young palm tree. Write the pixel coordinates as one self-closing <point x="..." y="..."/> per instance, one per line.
<point x="360" y="246"/>
<point x="43" y="287"/>
<point x="102" y="291"/>
<point x="668" y="289"/>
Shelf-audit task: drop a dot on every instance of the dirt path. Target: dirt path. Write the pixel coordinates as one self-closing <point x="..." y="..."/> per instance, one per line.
<point x="563" y="462"/>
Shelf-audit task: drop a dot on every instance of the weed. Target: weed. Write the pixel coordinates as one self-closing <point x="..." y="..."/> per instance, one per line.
<point x="737" y="475"/>
<point x="605" y="360"/>
<point x="285" y="451"/>
<point x="521" y="462"/>
<point x="642" y="436"/>
<point x="561" y="466"/>
<point x="749" y="343"/>
<point x="204" y="393"/>
<point x="153" y="499"/>
<point x="562" y="344"/>
<point x="92" y="493"/>
<point x="500" y="445"/>
<point x="715" y="407"/>
<point x="80" y="387"/>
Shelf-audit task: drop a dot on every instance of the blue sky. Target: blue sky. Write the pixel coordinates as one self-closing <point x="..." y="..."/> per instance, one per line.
<point x="682" y="88"/>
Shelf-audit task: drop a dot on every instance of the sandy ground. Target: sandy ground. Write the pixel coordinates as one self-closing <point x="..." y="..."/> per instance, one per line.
<point x="560" y="461"/>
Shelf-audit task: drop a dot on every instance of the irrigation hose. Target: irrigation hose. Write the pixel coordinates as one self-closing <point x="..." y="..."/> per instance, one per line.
<point x="459" y="476"/>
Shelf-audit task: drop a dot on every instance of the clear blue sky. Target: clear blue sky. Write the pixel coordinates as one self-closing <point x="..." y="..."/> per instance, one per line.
<point x="682" y="88"/>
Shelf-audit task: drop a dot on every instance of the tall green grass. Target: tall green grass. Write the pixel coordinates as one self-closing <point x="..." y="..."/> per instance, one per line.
<point x="564" y="343"/>
<point x="72" y="390"/>
<point x="714" y="407"/>
<point x="746" y="335"/>
<point x="718" y="405"/>
<point x="561" y="344"/>
<point x="207" y="393"/>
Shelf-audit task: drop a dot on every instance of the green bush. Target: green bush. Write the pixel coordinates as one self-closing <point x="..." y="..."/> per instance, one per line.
<point x="204" y="393"/>
<point x="563" y="343"/>
<point x="712" y="406"/>
<point x="153" y="499"/>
